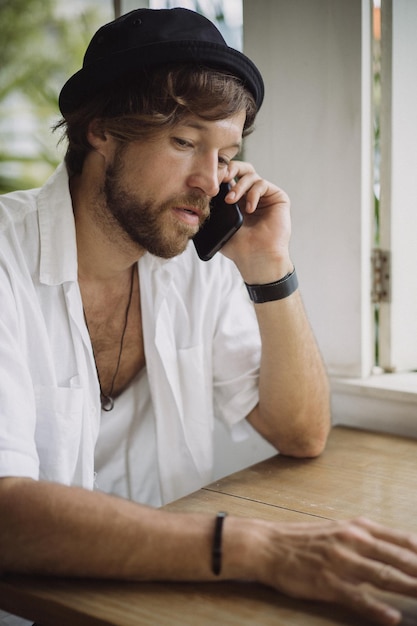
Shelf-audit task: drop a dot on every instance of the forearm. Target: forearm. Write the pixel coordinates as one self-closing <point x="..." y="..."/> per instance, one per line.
<point x="52" y="529"/>
<point x="65" y="531"/>
<point x="293" y="412"/>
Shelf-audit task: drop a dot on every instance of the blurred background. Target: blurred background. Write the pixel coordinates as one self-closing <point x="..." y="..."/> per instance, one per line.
<point x="42" y="43"/>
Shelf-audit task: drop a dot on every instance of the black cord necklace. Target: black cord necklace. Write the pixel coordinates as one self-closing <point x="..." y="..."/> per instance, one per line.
<point x="107" y="400"/>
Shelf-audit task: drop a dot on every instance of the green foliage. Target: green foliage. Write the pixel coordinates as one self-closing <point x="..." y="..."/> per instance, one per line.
<point x="39" y="49"/>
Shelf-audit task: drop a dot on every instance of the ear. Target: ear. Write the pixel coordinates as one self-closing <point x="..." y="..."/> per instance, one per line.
<point x="99" y="139"/>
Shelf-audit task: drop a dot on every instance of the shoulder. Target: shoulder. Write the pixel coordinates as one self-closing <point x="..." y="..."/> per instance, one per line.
<point x="19" y="228"/>
<point x="16" y="206"/>
<point x="36" y="223"/>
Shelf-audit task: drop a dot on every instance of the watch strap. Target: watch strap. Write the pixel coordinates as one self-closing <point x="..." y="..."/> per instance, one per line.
<point x="273" y="291"/>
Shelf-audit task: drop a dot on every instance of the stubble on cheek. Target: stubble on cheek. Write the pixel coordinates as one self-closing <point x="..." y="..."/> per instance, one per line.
<point x="146" y="223"/>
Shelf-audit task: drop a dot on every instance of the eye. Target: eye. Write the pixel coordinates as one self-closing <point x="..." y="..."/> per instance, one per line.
<point x="224" y="161"/>
<point x="182" y="143"/>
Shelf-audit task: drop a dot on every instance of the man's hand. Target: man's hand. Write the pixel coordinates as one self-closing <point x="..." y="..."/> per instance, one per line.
<point x="342" y="562"/>
<point x="260" y="248"/>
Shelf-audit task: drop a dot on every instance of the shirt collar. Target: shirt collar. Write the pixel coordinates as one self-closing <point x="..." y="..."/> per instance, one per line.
<point x="58" y="247"/>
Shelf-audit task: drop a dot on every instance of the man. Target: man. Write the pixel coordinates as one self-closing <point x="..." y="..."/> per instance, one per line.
<point x="119" y="346"/>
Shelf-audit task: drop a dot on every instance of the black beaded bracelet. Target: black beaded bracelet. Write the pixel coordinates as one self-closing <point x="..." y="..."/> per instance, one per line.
<point x="273" y="291"/>
<point x="216" y="554"/>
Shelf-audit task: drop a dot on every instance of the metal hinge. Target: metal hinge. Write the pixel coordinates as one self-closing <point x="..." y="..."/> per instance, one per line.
<point x="381" y="275"/>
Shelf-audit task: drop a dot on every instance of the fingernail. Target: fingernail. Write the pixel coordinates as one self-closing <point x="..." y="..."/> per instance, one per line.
<point x="394" y="615"/>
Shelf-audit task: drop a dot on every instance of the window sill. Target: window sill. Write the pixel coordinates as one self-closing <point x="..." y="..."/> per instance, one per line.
<point x="386" y="402"/>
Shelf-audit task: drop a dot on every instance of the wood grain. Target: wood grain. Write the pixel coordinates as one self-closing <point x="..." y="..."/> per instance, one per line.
<point x="360" y="473"/>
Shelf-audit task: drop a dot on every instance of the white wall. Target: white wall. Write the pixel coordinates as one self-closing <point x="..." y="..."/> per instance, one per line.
<point x="313" y="139"/>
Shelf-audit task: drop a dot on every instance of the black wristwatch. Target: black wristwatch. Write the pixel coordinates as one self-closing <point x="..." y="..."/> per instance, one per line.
<point x="273" y="291"/>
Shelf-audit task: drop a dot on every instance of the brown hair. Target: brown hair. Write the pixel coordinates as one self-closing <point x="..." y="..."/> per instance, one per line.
<point x="138" y="105"/>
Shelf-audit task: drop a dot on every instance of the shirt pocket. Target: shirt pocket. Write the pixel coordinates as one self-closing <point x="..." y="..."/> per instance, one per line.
<point x="59" y="412"/>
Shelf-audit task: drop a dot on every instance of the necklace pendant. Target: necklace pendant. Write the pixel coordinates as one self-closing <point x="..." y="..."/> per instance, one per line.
<point x="107" y="403"/>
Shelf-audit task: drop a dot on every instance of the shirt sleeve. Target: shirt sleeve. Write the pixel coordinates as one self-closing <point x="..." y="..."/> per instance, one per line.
<point x="18" y="455"/>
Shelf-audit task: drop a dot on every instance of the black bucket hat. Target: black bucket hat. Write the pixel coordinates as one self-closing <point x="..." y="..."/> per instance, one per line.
<point x="147" y="38"/>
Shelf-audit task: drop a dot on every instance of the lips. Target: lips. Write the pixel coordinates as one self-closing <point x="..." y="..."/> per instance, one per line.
<point x="192" y="211"/>
<point x="189" y="215"/>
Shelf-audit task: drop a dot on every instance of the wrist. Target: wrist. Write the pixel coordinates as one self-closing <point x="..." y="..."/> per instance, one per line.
<point x="276" y="290"/>
<point x="262" y="271"/>
<point x="243" y="539"/>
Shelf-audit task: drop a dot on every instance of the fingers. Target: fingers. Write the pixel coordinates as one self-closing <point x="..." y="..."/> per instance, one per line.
<point x="384" y="558"/>
<point x="400" y="538"/>
<point x="374" y="556"/>
<point x="389" y="550"/>
<point x="364" y="603"/>
<point x="248" y="185"/>
<point x="345" y="562"/>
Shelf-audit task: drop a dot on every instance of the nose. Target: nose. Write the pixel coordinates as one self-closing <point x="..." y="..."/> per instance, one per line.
<point x="205" y="176"/>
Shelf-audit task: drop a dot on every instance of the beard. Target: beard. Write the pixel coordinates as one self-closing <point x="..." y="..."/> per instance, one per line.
<point x="143" y="221"/>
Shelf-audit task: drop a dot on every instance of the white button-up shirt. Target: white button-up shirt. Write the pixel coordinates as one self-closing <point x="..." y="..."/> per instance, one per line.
<point x="202" y="350"/>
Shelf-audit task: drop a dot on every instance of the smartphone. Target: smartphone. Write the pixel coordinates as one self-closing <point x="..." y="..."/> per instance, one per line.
<point x="225" y="219"/>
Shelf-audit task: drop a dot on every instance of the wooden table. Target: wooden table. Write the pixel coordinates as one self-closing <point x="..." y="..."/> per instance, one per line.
<point x="360" y="473"/>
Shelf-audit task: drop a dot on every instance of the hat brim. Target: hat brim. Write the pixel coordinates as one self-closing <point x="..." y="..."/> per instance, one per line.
<point x="93" y="77"/>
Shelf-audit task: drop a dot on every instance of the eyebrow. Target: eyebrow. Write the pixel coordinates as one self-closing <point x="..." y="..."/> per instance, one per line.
<point x="204" y="127"/>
